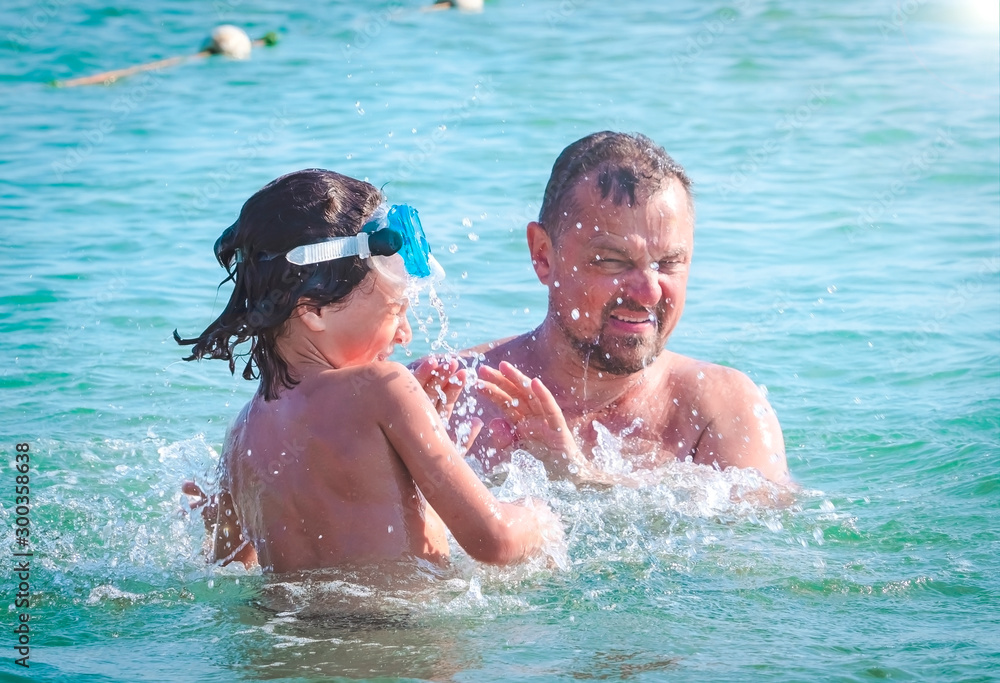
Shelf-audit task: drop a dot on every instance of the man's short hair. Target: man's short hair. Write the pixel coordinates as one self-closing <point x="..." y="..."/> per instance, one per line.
<point x="625" y="168"/>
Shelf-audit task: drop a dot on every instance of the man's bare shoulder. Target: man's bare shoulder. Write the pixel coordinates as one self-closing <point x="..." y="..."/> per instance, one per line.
<point x="713" y="388"/>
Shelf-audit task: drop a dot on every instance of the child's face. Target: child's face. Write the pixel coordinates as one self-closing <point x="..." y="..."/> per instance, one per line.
<point x="374" y="320"/>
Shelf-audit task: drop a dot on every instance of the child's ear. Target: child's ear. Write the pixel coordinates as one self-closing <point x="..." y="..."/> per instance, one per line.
<point x="312" y="317"/>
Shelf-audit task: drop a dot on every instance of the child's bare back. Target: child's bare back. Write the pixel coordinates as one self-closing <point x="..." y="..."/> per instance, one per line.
<point x="318" y="483"/>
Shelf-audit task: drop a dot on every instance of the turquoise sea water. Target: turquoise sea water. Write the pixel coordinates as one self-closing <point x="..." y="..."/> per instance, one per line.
<point x="848" y="258"/>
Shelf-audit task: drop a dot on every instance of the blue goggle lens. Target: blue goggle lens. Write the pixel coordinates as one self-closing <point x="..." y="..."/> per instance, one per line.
<point x="415" y="250"/>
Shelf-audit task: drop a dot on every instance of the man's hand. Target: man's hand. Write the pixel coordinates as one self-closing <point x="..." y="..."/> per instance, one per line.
<point x="535" y="422"/>
<point x="209" y="509"/>
<point x="223" y="551"/>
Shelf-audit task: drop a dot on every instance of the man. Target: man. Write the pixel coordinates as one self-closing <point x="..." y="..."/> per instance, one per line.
<point x="613" y="244"/>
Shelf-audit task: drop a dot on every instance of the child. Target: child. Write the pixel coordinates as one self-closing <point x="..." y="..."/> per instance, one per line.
<point x="341" y="458"/>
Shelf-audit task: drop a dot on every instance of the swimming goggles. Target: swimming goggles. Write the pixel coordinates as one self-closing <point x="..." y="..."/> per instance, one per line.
<point x="390" y="231"/>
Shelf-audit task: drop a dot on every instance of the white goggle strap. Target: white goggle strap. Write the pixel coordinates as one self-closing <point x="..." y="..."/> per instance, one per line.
<point x="330" y="250"/>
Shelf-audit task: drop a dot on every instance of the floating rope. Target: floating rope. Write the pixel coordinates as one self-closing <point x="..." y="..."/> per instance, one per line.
<point x="227" y="40"/>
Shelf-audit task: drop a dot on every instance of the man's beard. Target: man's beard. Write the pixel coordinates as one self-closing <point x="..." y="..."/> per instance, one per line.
<point x="624" y="355"/>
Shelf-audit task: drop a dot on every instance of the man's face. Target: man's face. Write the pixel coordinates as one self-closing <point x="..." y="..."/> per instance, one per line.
<point x="619" y="276"/>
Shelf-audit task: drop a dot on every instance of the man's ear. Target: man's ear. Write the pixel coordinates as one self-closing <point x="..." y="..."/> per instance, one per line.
<point x="540" y="248"/>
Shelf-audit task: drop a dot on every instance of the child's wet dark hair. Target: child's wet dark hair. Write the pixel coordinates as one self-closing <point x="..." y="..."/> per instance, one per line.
<point x="300" y="208"/>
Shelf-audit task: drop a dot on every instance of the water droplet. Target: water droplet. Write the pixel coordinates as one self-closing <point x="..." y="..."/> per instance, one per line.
<point x="579" y="226"/>
<point x="453" y="248"/>
<point x="473" y="237"/>
<point x="465" y="274"/>
<point x="467" y="222"/>
<point x="575" y="314"/>
<point x="831" y="289"/>
<point x="556" y="284"/>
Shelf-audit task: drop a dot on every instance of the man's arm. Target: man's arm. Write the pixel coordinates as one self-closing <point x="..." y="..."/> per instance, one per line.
<point x="222" y="525"/>
<point x="742" y="430"/>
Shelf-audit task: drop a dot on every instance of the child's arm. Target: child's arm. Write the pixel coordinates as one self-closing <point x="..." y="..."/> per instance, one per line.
<point x="489" y="530"/>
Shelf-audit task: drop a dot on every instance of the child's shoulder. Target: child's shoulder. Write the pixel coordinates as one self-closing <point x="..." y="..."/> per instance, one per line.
<point x="378" y="378"/>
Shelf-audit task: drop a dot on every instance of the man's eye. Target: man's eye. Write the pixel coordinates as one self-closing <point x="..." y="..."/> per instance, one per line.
<point x="611" y="262"/>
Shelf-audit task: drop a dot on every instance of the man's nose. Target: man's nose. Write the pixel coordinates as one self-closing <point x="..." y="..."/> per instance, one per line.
<point x="403" y="333"/>
<point x="642" y="285"/>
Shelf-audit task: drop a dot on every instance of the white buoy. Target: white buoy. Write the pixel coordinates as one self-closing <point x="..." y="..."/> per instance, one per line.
<point x="461" y="5"/>
<point x="231" y="41"/>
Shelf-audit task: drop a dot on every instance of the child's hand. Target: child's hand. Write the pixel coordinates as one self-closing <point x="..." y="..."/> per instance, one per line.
<point x="443" y="380"/>
<point x="550" y="529"/>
